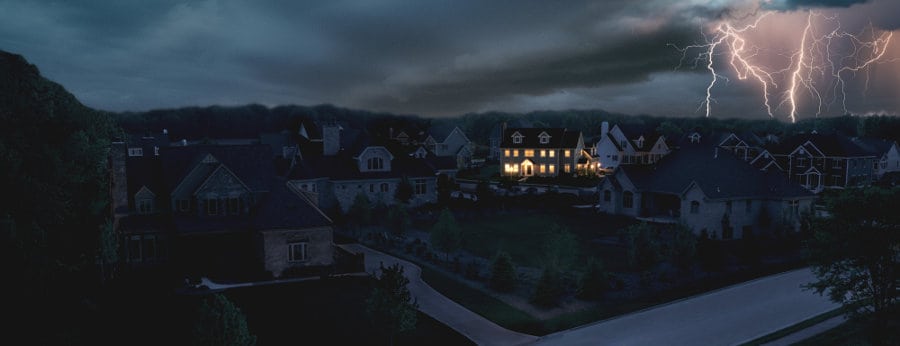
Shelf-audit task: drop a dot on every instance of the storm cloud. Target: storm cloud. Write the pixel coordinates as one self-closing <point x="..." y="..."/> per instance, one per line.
<point x="434" y="59"/>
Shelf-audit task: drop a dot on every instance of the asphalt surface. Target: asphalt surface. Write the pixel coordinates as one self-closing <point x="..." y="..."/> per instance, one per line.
<point x="728" y="316"/>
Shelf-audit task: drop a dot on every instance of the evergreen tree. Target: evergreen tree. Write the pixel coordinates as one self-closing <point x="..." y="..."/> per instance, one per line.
<point x="684" y="247"/>
<point x="220" y="322"/>
<point x="549" y="288"/>
<point x="503" y="273"/>
<point x="360" y="212"/>
<point x="643" y="248"/>
<point x="446" y="235"/>
<point x="404" y="190"/>
<point x="391" y="307"/>
<point x="594" y="282"/>
<point x="398" y="219"/>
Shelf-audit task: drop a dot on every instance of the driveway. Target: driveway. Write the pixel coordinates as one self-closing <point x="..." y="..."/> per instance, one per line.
<point x="475" y="327"/>
<point x="727" y="316"/>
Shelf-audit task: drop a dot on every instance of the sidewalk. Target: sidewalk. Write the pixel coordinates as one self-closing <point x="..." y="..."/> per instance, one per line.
<point x="475" y="327"/>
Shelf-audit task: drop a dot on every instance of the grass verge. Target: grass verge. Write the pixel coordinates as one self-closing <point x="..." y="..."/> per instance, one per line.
<point x="794" y="328"/>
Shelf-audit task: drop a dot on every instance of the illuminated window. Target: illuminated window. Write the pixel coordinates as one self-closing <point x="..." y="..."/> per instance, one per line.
<point x="552" y="169"/>
<point x="552" y="153"/>
<point x="506" y="153"/>
<point x="568" y="153"/>
<point x="529" y="153"/>
<point x="515" y="153"/>
<point x="628" y="199"/>
<point x="543" y="168"/>
<point x="567" y="168"/>
<point x="297" y="252"/>
<point x="543" y="153"/>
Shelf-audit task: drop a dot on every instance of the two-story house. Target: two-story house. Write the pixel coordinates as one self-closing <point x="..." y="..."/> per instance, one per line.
<point x="544" y="152"/>
<point x="887" y="154"/>
<point x="215" y="210"/>
<point x="622" y="145"/>
<point x="821" y="161"/>
<point x="450" y="141"/>
<point x="708" y="189"/>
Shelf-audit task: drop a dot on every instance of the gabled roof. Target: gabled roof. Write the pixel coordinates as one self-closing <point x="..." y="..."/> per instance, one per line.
<point x="284" y="208"/>
<point x="252" y="164"/>
<point x="833" y="145"/>
<point x="718" y="174"/>
<point x="875" y="146"/>
<point x="559" y="138"/>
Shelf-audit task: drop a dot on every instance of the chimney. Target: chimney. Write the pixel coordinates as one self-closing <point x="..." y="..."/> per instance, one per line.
<point x="604" y="129"/>
<point x="119" y="182"/>
<point x="502" y="130"/>
<point x="716" y="153"/>
<point x="391" y="133"/>
<point x="331" y="139"/>
<point x="166" y="132"/>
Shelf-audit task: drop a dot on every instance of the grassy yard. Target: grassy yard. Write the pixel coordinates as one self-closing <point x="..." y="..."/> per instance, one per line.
<point x="854" y="332"/>
<point x="524" y="235"/>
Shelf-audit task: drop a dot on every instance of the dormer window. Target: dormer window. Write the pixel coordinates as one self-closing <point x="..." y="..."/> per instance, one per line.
<point x="375" y="163"/>
<point x="517" y="138"/>
<point x="640" y="142"/>
<point x="135" y="152"/>
<point x="695" y="137"/>
<point x="155" y="151"/>
<point x="145" y="206"/>
<point x="544" y="138"/>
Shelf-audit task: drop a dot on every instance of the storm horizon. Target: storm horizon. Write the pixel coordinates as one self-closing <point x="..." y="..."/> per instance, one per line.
<point x="661" y="58"/>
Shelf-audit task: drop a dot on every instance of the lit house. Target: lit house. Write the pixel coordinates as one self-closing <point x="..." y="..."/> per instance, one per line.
<point x="547" y="152"/>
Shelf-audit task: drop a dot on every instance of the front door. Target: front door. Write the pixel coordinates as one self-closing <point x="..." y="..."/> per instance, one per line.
<point x="527" y="168"/>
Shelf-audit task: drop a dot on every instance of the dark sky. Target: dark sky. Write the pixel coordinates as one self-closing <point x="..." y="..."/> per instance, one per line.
<point x="432" y="58"/>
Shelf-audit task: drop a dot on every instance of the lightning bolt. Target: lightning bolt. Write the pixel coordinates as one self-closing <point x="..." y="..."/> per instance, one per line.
<point x="814" y="62"/>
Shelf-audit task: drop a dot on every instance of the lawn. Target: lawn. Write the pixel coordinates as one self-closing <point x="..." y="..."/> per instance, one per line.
<point x="523" y="235"/>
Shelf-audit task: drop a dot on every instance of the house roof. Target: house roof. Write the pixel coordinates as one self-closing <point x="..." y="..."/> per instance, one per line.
<point x="835" y="145"/>
<point x="252" y="164"/>
<point x="440" y="131"/>
<point x="344" y="167"/>
<point x="718" y="173"/>
<point x="283" y="208"/>
<point x="559" y="138"/>
<point x="875" y="146"/>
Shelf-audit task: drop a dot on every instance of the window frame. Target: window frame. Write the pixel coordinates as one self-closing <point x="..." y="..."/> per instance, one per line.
<point x="303" y="246"/>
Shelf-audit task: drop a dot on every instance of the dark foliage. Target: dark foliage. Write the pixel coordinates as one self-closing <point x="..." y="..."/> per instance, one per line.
<point x="503" y="273"/>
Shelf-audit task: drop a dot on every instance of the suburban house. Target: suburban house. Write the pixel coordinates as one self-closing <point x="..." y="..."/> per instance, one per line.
<point x="887" y="154"/>
<point x="819" y="161"/>
<point x="623" y="145"/>
<point x="450" y="141"/>
<point x="496" y="136"/>
<point x="546" y="152"/>
<point x="747" y="146"/>
<point x="214" y="210"/>
<point x="351" y="163"/>
<point x="709" y="190"/>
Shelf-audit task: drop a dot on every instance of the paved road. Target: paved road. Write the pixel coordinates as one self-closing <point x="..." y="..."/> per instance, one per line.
<point x="728" y="316"/>
<point x="475" y="327"/>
